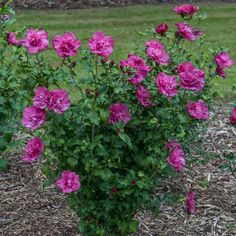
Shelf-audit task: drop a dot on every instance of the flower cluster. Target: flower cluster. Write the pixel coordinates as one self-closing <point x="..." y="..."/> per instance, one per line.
<point x="55" y="100"/>
<point x="65" y="45"/>
<point x="139" y="67"/>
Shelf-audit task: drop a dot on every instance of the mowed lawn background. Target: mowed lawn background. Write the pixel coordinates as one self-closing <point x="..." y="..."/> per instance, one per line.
<point x="125" y="23"/>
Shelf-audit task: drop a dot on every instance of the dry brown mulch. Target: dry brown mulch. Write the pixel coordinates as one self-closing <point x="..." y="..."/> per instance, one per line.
<point x="26" y="209"/>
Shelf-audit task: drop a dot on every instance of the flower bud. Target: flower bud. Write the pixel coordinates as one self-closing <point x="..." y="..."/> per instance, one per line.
<point x="162" y="29"/>
<point x="88" y="91"/>
<point x="96" y="93"/>
<point x="114" y="189"/>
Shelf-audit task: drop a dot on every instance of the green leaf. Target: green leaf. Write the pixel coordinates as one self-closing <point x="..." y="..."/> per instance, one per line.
<point x="3" y="164"/>
<point x="133" y="226"/>
<point x="72" y="162"/>
<point x="126" y="139"/>
<point x="94" y="118"/>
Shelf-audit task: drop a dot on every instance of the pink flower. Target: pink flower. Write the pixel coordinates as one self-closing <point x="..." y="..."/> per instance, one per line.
<point x="220" y="71"/>
<point x="119" y="112"/>
<point x="33" y="149"/>
<point x="223" y="60"/>
<point x="184" y="67"/>
<point x="41" y="97"/>
<point x="101" y="44"/>
<point x="33" y="117"/>
<point x="143" y="96"/>
<point x="12" y="40"/>
<point x="69" y="182"/>
<point x="155" y="51"/>
<point x="233" y="117"/>
<point x="172" y="144"/>
<point x="155" y="44"/>
<point x="198" y="110"/>
<point x="162" y="29"/>
<point x="191" y="77"/>
<point x="140" y="69"/>
<point x="190" y="203"/>
<point x="186" y="10"/>
<point x="176" y="159"/>
<point x="187" y="32"/>
<point x="166" y="84"/>
<point x="35" y="41"/>
<point x="66" y="45"/>
<point x="59" y="101"/>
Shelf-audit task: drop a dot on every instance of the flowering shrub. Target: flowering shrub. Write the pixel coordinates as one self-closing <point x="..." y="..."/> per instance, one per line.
<point x="23" y="69"/>
<point x="129" y="126"/>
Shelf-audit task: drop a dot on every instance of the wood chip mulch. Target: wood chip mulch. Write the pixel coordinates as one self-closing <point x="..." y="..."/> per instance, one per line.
<point x="27" y="210"/>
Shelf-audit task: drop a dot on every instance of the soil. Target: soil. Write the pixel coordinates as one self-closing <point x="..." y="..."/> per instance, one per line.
<point x="28" y="210"/>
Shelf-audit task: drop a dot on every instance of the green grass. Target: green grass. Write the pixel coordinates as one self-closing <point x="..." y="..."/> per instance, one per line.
<point x="125" y="23"/>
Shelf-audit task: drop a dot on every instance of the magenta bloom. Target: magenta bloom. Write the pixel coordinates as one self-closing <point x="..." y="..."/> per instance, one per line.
<point x="66" y="45"/>
<point x="69" y="182"/>
<point x="143" y="96"/>
<point x="186" y="10"/>
<point x="33" y="117"/>
<point x="119" y="112"/>
<point x="41" y="97"/>
<point x="101" y="44"/>
<point x="223" y="60"/>
<point x="220" y="71"/>
<point x="172" y="144"/>
<point x="59" y="101"/>
<point x="138" y="67"/>
<point x="35" y="41"/>
<point x="198" y="110"/>
<point x="190" y="203"/>
<point x="167" y="84"/>
<point x="187" y="32"/>
<point x="33" y="149"/>
<point x="12" y="40"/>
<point x="162" y="29"/>
<point x="176" y="159"/>
<point x="233" y="117"/>
<point x="184" y="67"/>
<point x="155" y="51"/>
<point x="191" y="77"/>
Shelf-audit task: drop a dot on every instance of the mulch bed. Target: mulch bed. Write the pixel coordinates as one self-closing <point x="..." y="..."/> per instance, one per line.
<point x="27" y="209"/>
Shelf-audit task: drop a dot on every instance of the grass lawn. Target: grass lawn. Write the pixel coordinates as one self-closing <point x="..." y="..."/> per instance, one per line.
<point x="125" y="23"/>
